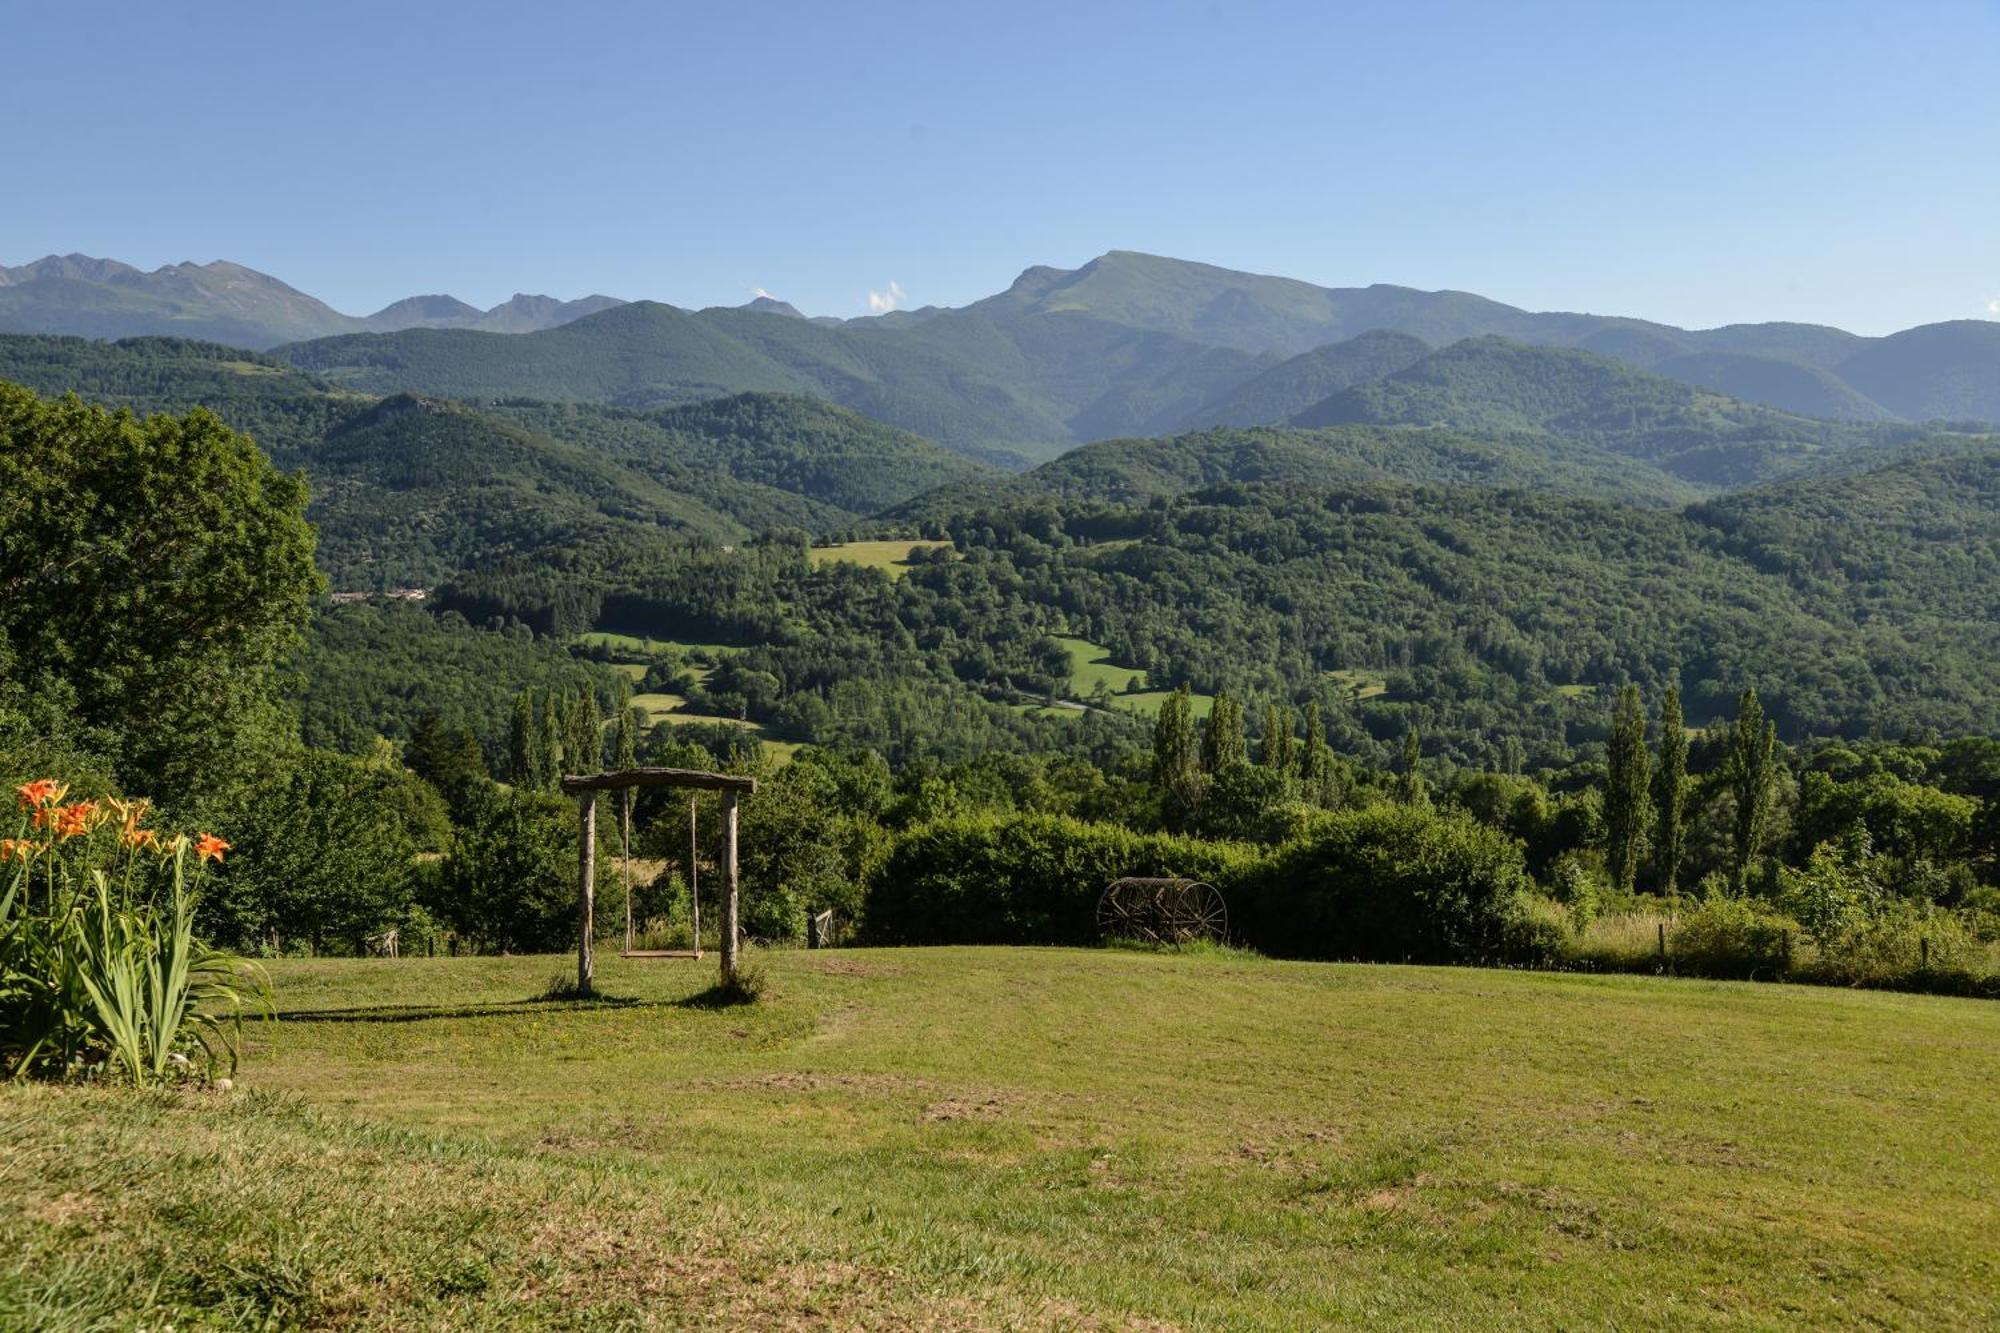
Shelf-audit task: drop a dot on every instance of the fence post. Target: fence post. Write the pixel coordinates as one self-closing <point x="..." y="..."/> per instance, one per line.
<point x="1663" y="940"/>
<point x="1924" y="946"/>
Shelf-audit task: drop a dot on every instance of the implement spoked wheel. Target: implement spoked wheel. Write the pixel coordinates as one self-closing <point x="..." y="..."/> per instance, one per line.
<point x="1162" y="911"/>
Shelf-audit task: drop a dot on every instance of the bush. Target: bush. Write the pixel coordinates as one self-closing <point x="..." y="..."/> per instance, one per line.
<point x="327" y="860"/>
<point x="1029" y="879"/>
<point x="509" y="880"/>
<point x="1392" y="883"/>
<point x="1731" y="938"/>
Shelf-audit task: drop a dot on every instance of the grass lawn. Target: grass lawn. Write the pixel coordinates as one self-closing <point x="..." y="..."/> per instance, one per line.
<point x="1030" y="1137"/>
<point x="1090" y="663"/>
<point x="1361" y="684"/>
<point x="892" y="557"/>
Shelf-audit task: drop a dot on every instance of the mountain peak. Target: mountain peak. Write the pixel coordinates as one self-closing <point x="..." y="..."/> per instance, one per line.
<point x="771" y="305"/>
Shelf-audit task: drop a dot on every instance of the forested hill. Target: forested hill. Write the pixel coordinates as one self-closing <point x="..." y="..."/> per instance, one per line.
<point x="1135" y="471"/>
<point x="409" y="491"/>
<point x="1490" y="384"/>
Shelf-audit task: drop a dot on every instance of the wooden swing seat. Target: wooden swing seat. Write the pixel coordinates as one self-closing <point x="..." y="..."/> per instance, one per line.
<point x="660" y="953"/>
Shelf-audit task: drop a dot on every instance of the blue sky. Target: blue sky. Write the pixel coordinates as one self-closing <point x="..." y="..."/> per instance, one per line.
<point x="1691" y="162"/>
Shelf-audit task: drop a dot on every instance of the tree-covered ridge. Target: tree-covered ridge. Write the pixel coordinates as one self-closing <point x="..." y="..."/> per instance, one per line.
<point x="1489" y="384"/>
<point x="1287" y="389"/>
<point x="1485" y="617"/>
<point x="408" y="491"/>
<point x="805" y="446"/>
<point x="1130" y="471"/>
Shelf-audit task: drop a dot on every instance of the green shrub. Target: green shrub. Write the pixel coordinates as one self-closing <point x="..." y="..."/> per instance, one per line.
<point x="1392" y="883"/>
<point x="1029" y="879"/>
<point x="1731" y="938"/>
<point x="509" y="880"/>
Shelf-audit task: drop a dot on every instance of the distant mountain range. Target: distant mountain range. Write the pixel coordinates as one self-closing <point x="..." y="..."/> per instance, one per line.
<point x="1127" y="345"/>
<point x="228" y="303"/>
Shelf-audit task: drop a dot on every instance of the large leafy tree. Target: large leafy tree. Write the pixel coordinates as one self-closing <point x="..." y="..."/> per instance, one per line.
<point x="155" y="571"/>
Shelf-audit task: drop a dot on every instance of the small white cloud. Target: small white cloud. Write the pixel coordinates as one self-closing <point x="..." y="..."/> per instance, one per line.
<point x="1993" y="306"/>
<point x="759" y="294"/>
<point x="882" y="302"/>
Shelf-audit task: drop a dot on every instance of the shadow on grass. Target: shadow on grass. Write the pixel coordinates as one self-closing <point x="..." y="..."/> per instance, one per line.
<point x="420" y="1013"/>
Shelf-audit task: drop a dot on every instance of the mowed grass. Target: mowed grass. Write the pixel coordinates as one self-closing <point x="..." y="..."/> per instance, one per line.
<point x="1032" y="1138"/>
<point x="891" y="557"/>
<point x="1090" y="663"/>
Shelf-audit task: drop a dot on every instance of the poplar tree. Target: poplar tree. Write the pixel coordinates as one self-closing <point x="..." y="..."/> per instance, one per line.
<point x="1277" y="748"/>
<point x="1751" y="770"/>
<point x="553" y="754"/>
<point x="523" y="768"/>
<point x="586" y="731"/>
<point x="1410" y="788"/>
<point x="1670" y="793"/>
<point x="1625" y="786"/>
<point x="1223" y="744"/>
<point x="1177" y="754"/>
<point x="1315" y="760"/>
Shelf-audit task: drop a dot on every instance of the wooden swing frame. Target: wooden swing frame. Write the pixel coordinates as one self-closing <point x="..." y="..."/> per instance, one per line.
<point x="585" y="789"/>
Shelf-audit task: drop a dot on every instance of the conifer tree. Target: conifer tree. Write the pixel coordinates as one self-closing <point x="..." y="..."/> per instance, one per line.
<point x="1625" y="783"/>
<point x="1670" y="793"/>
<point x="1223" y="744"/>
<point x="1751" y="771"/>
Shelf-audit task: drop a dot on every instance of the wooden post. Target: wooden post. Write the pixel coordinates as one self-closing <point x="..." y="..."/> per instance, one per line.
<point x="586" y="809"/>
<point x="694" y="878"/>
<point x="729" y="917"/>
<point x="625" y="858"/>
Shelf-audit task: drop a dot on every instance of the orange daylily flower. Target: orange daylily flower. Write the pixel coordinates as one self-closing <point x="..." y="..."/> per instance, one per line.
<point x="209" y="847"/>
<point x="41" y="792"/>
<point x="17" y="849"/>
<point x="137" y="838"/>
<point x="73" y="821"/>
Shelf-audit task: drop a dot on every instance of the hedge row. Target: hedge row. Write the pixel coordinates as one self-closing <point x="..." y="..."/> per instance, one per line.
<point x="1385" y="883"/>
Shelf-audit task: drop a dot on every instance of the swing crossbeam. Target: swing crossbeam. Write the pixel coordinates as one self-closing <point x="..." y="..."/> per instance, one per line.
<point x="585" y="788"/>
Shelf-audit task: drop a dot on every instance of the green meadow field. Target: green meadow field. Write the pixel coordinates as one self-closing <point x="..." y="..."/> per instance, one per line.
<point x="1029" y="1138"/>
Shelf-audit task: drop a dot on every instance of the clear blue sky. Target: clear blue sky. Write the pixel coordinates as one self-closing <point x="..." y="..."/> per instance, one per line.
<point x="1691" y="162"/>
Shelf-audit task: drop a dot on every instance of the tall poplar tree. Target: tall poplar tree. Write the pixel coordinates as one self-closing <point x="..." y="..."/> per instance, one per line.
<point x="553" y="755"/>
<point x="1410" y="789"/>
<point x="1177" y="756"/>
<point x="1315" y="760"/>
<point x="1625" y="813"/>
<point x="1670" y="793"/>
<point x="523" y="768"/>
<point x="1751" y="771"/>
<point x="1223" y="744"/>
<point x="1277" y="750"/>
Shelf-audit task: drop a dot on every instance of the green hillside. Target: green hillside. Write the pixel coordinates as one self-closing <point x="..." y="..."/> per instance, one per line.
<point x="1790" y="386"/>
<point x="1285" y="390"/>
<point x="1949" y="370"/>
<point x="1489" y="384"/>
<point x="1134" y="471"/>
<point x="806" y="446"/>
